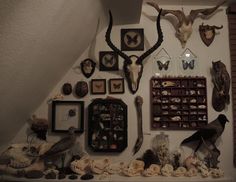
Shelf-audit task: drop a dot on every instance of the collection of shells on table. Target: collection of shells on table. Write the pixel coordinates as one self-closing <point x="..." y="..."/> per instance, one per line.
<point x="179" y="102"/>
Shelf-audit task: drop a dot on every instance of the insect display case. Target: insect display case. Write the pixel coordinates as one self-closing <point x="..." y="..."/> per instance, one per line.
<point x="107" y="125"/>
<point x="178" y="102"/>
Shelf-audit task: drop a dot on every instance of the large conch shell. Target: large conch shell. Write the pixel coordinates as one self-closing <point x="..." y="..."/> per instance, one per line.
<point x="153" y="170"/>
<point x="191" y="162"/>
<point x="80" y="166"/>
<point x="135" y="168"/>
<point x="99" y="166"/>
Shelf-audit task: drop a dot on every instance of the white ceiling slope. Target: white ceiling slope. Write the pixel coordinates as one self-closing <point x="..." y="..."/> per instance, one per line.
<point x="39" y="41"/>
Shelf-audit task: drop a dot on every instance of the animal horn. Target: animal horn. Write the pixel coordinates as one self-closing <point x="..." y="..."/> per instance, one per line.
<point x="179" y="14"/>
<point x="207" y="11"/>
<point x="109" y="42"/>
<point x="216" y="27"/>
<point x="157" y="44"/>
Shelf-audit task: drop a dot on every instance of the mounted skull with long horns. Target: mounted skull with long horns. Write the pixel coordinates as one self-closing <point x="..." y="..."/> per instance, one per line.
<point x="133" y="65"/>
<point x="184" y="26"/>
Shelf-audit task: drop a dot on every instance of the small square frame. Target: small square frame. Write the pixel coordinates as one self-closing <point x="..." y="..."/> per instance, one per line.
<point x="108" y="61"/>
<point x="132" y="39"/>
<point x="116" y="86"/>
<point x="66" y="114"/>
<point x="98" y="86"/>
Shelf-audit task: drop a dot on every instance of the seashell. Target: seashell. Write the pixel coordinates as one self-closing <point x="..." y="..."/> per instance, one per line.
<point x="176" y="118"/>
<point x="81" y="88"/>
<point x="153" y="170"/>
<point x="168" y="84"/>
<point x="191" y="172"/>
<point x="99" y="166"/>
<point x="180" y="171"/>
<point x="190" y="162"/>
<point x="80" y="166"/>
<point x="135" y="168"/>
<point x="86" y="176"/>
<point x="216" y="173"/>
<point x="167" y="170"/>
<point x="67" y="89"/>
<point x="115" y="168"/>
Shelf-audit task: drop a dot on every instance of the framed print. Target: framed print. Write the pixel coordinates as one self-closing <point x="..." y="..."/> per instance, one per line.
<point x="108" y="61"/>
<point x="132" y="39"/>
<point x="116" y="86"/>
<point x="98" y="86"/>
<point x="66" y="114"/>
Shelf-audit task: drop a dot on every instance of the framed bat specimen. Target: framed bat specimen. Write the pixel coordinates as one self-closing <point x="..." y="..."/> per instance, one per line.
<point x="116" y="86"/>
<point x="66" y="114"/>
<point x="132" y="39"/>
<point x="107" y="125"/>
<point x="108" y="61"/>
<point x="98" y="86"/>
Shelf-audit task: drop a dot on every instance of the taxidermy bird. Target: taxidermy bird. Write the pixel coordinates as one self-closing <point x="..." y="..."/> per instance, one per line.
<point x="208" y="134"/>
<point x="62" y="146"/>
<point x="221" y="81"/>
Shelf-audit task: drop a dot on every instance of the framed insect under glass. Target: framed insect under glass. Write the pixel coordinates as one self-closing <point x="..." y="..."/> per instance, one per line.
<point x="116" y="86"/>
<point x="98" y="86"/>
<point x="66" y="114"/>
<point x="162" y="62"/>
<point x="108" y="61"/>
<point x="132" y="39"/>
<point x="188" y="62"/>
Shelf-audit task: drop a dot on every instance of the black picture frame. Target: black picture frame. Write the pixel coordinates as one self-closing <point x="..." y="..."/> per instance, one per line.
<point x="107" y="125"/>
<point x="108" y="61"/>
<point x="116" y="86"/>
<point x="98" y="86"/>
<point x="132" y="39"/>
<point x="66" y="114"/>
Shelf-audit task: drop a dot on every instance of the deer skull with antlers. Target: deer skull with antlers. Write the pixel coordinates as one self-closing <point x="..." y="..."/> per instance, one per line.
<point x="184" y="26"/>
<point x="133" y="65"/>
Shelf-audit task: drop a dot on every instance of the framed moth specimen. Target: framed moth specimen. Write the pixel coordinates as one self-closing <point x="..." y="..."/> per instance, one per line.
<point x="98" y="86"/>
<point x="116" y="86"/>
<point x="132" y="39"/>
<point x="66" y="114"/>
<point x="108" y="61"/>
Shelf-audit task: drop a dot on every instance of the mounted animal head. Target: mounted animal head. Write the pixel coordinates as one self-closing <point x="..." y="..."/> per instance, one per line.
<point x="184" y="26"/>
<point x="133" y="65"/>
<point x="207" y="33"/>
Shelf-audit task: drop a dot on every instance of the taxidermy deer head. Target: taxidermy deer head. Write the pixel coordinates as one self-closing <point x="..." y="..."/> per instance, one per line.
<point x="184" y="26"/>
<point x="133" y="65"/>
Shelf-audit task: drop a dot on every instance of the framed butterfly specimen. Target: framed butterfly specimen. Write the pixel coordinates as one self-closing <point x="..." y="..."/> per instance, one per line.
<point x="116" y="86"/>
<point x="162" y="61"/>
<point x="98" y="86"/>
<point x="108" y="61"/>
<point x="188" y="60"/>
<point x="132" y="39"/>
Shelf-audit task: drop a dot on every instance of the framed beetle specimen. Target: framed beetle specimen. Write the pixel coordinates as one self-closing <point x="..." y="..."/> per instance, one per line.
<point x="116" y="86"/>
<point x="66" y="114"/>
<point x="107" y="125"/>
<point x="132" y="39"/>
<point x="108" y="61"/>
<point x="98" y="86"/>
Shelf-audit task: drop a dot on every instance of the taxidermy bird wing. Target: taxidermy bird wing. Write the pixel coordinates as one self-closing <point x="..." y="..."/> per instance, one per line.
<point x="205" y="134"/>
<point x="59" y="147"/>
<point x="206" y="11"/>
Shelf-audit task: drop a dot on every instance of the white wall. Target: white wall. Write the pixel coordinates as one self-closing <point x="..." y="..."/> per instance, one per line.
<point x="40" y="40"/>
<point x="219" y="50"/>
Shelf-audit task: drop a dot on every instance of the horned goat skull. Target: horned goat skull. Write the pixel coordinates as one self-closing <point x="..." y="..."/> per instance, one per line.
<point x="184" y="26"/>
<point x="133" y="65"/>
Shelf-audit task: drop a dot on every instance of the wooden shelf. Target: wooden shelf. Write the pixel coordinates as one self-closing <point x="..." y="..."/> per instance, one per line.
<point x="178" y="103"/>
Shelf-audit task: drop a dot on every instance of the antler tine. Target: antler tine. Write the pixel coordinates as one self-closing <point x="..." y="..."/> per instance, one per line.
<point x="108" y="39"/>
<point x="216" y="27"/>
<point x="178" y="13"/>
<point x="207" y="11"/>
<point x="157" y="44"/>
